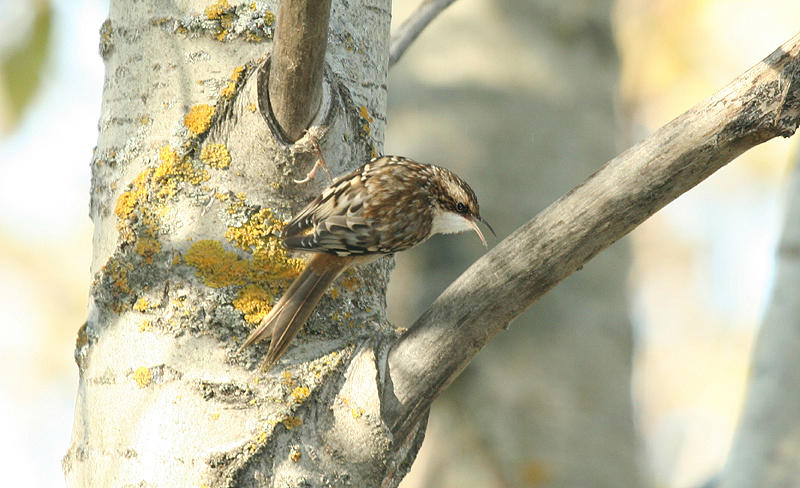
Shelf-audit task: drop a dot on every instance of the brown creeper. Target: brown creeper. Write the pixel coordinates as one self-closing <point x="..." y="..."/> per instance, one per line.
<point x="388" y="205"/>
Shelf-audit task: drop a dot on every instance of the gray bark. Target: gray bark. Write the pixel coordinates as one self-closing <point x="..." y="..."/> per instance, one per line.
<point x="189" y="188"/>
<point x="766" y="448"/>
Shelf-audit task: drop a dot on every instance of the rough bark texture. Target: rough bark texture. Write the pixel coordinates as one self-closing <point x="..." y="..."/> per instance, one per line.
<point x="190" y="187"/>
<point x="766" y="449"/>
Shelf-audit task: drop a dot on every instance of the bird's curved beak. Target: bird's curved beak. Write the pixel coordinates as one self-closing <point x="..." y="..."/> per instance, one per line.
<point x="473" y="222"/>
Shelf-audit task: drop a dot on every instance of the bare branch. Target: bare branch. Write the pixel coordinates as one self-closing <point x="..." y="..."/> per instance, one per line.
<point x="761" y="104"/>
<point x="413" y="25"/>
<point x="296" y="65"/>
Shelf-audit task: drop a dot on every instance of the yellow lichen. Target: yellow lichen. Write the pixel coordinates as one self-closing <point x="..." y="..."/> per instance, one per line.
<point x="254" y="302"/>
<point x="300" y="394"/>
<point x="128" y="200"/>
<point x="117" y="271"/>
<point x="198" y="119"/>
<point x="174" y="169"/>
<point x="270" y="259"/>
<point x="258" y="228"/>
<point x="144" y="325"/>
<point x="295" y="455"/>
<point x="251" y="107"/>
<point x="217" y="9"/>
<point x="148" y="247"/>
<point x="292" y="422"/>
<point x="269" y="18"/>
<point x="216" y="155"/>
<point x="260" y="440"/>
<point x="362" y="110"/>
<point x="142" y="376"/>
<point x="141" y="304"/>
<point x="272" y="262"/>
<point x="125" y="204"/>
<point x="287" y="380"/>
<point x="230" y="89"/>
<point x="216" y="266"/>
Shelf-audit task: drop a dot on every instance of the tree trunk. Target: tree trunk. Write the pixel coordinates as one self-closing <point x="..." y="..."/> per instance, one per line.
<point x="548" y="402"/>
<point x="766" y="448"/>
<point x="189" y="190"/>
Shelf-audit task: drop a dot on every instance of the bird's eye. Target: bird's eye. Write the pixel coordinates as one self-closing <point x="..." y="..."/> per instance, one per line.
<point x="461" y="207"/>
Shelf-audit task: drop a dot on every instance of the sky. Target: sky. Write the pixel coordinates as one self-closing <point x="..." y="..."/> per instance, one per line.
<point x="45" y="239"/>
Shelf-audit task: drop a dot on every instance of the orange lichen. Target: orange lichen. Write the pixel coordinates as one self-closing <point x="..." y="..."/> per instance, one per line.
<point x="198" y="119"/>
<point x="216" y="155"/>
<point x="216" y="266"/>
<point x="142" y="376"/>
<point x="254" y="302"/>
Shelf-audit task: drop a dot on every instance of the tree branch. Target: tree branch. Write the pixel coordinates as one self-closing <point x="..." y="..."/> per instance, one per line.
<point x="413" y="26"/>
<point x="296" y="65"/>
<point x="761" y="104"/>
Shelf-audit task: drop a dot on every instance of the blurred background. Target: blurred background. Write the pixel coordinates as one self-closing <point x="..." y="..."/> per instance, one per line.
<point x="630" y="373"/>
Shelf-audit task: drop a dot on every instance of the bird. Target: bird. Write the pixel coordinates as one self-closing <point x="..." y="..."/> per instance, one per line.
<point x="388" y="205"/>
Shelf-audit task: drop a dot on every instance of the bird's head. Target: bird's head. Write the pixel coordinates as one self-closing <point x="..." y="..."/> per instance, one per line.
<point x="456" y="206"/>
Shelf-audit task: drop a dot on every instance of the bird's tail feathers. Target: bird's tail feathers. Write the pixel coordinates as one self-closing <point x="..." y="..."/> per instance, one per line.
<point x="287" y="317"/>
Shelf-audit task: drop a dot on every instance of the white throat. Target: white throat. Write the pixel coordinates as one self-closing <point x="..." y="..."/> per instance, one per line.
<point x="449" y="222"/>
